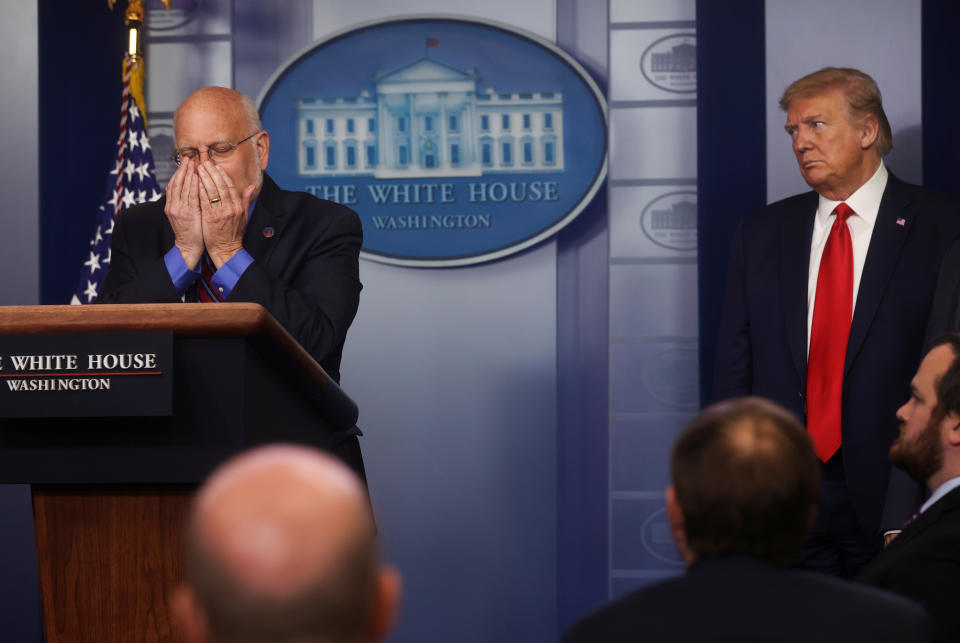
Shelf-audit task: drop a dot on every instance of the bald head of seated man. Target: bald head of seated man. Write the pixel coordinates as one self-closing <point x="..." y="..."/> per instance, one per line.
<point x="281" y="548"/>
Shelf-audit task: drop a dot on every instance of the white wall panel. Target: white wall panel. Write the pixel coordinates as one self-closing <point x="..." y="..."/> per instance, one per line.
<point x="653" y="300"/>
<point x="652" y="10"/>
<point x="634" y="227"/>
<point x="627" y="81"/>
<point x="19" y="164"/>
<point x="184" y="67"/>
<point x="651" y="377"/>
<point x="653" y="273"/>
<point x="653" y="142"/>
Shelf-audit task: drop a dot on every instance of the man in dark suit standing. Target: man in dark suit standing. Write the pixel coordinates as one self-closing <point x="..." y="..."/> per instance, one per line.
<point x="923" y="562"/>
<point x="945" y="313"/>
<point x="826" y="307"/>
<point x="745" y="489"/>
<point x="224" y="231"/>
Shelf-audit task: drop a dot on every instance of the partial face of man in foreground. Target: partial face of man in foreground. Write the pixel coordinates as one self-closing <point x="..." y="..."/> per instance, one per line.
<point x="924" y="424"/>
<point x="281" y="547"/>
<point x="923" y="562"/>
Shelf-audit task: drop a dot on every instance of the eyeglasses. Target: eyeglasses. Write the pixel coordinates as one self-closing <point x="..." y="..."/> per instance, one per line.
<point x="216" y="152"/>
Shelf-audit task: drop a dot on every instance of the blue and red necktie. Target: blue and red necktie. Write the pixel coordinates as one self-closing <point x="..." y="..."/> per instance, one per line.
<point x="206" y="291"/>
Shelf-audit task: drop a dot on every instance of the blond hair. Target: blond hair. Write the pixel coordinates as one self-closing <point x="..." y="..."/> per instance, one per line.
<point x="860" y="90"/>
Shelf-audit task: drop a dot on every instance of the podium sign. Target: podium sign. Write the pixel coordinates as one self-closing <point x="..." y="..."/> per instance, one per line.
<point x="86" y="375"/>
<point x="111" y="488"/>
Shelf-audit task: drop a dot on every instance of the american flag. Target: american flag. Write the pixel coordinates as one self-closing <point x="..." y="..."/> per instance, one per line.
<point x="132" y="180"/>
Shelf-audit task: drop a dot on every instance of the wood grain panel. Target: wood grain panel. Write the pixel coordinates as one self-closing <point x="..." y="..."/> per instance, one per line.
<point x="109" y="562"/>
<point x="193" y="320"/>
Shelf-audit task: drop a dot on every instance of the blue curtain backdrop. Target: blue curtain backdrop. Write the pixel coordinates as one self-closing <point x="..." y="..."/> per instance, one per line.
<point x="80" y="58"/>
<point x="731" y="149"/>
<point x="941" y="95"/>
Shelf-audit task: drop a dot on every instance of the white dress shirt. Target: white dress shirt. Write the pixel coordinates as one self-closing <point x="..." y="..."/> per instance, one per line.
<point x="865" y="203"/>
<point x="941" y="491"/>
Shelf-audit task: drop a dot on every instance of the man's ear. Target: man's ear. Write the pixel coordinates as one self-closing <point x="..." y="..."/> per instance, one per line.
<point x="869" y="131"/>
<point x="263" y="149"/>
<point x="951" y="427"/>
<point x="677" y="525"/>
<point x="189" y="617"/>
<point x="385" y="603"/>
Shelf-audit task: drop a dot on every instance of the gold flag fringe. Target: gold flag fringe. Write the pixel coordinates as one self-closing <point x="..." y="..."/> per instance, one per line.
<point x="137" y="68"/>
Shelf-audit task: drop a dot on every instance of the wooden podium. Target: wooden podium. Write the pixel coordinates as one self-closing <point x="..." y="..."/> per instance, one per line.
<point x="110" y="494"/>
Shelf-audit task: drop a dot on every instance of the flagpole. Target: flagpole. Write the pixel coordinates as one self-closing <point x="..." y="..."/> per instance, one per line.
<point x="133" y="61"/>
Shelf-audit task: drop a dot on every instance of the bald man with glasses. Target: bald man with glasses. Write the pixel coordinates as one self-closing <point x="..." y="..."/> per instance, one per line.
<point x="292" y="253"/>
<point x="224" y="231"/>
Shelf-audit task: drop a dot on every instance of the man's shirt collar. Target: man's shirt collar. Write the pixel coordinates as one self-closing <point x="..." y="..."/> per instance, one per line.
<point x="940" y="492"/>
<point x="865" y="202"/>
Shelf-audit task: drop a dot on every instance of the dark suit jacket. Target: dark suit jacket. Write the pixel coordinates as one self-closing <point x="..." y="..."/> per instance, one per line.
<point x="741" y="598"/>
<point x="306" y="274"/>
<point x="945" y="313"/>
<point x="923" y="564"/>
<point x="762" y="339"/>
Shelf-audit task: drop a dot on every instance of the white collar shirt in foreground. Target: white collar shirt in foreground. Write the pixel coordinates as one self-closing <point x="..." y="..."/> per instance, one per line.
<point x="941" y="491"/>
<point x="865" y="203"/>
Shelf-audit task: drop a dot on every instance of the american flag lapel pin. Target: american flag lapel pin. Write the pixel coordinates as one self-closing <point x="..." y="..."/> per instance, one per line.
<point x="901" y="222"/>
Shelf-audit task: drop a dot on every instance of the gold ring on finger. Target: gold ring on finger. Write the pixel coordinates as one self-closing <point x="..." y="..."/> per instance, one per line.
<point x="215" y="199"/>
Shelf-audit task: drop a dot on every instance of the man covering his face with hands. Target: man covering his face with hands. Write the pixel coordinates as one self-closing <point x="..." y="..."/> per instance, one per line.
<point x="224" y="231"/>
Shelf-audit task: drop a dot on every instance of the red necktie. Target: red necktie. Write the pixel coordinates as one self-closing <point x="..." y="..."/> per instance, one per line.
<point x="913" y="516"/>
<point x="829" y="333"/>
<point x="207" y="292"/>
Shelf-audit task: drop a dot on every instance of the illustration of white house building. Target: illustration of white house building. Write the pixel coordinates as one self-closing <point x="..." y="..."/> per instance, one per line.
<point x="680" y="216"/>
<point x="681" y="58"/>
<point x="427" y="119"/>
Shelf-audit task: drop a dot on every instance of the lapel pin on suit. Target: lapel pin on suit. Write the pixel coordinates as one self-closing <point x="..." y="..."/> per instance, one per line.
<point x="268" y="231"/>
<point x="901" y="222"/>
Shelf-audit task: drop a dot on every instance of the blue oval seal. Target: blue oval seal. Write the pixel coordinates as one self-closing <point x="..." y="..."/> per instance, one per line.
<point x="456" y="141"/>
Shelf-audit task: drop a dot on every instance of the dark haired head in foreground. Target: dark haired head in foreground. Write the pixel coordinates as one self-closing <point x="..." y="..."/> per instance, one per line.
<point x="745" y="480"/>
<point x="744" y="494"/>
<point x="281" y="548"/>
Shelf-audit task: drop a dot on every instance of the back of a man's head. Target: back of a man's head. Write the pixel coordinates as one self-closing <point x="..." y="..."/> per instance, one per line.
<point x="746" y="480"/>
<point x="281" y="548"/>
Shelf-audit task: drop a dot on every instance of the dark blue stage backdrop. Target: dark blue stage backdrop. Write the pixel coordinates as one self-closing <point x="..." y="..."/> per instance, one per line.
<point x="731" y="161"/>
